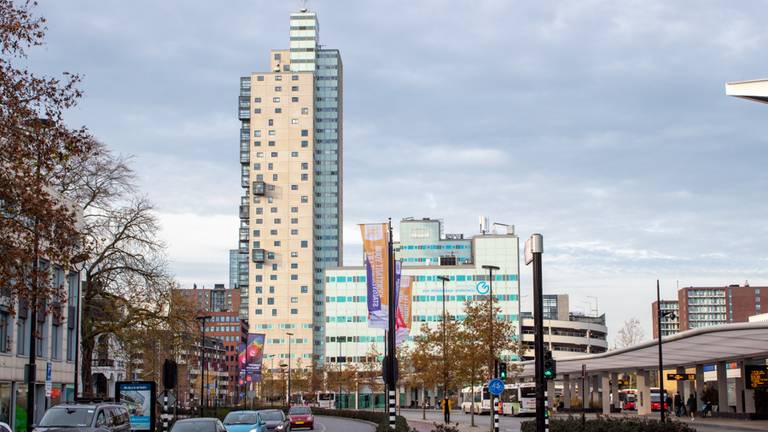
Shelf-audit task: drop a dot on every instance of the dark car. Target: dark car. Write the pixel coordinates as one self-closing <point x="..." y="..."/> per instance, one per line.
<point x="101" y="417"/>
<point x="204" y="424"/>
<point x="275" y="420"/>
<point x="301" y="417"/>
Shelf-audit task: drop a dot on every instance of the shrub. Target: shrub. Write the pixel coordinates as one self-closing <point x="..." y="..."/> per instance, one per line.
<point x="605" y="424"/>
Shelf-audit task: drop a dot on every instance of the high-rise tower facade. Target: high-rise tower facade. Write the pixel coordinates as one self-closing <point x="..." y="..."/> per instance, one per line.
<point x="291" y="211"/>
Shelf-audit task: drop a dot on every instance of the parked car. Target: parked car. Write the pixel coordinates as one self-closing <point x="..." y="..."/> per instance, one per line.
<point x="85" y="417"/>
<point x="244" y="421"/>
<point x="203" y="424"/>
<point x="301" y="417"/>
<point x="275" y="420"/>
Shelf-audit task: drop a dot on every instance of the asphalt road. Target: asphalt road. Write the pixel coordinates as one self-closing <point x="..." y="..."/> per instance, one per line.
<point x="337" y="424"/>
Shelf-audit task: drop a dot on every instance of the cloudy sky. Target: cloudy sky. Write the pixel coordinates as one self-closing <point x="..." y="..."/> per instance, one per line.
<point x="602" y="124"/>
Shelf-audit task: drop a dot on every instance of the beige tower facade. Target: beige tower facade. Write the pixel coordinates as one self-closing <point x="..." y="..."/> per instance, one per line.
<point x="290" y="213"/>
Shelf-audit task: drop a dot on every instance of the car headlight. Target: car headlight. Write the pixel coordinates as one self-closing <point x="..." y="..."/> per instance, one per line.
<point x="254" y="430"/>
<point x="280" y="427"/>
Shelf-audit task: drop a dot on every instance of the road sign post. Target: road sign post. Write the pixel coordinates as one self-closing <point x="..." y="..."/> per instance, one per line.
<point x="48" y="379"/>
<point x="495" y="388"/>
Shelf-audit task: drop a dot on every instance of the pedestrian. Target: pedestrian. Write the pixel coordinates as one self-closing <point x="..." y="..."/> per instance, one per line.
<point x="668" y="402"/>
<point x="691" y="405"/>
<point x="679" y="408"/>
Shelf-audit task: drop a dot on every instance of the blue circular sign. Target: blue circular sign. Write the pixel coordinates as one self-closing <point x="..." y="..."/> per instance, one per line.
<point x="483" y="288"/>
<point x="496" y="386"/>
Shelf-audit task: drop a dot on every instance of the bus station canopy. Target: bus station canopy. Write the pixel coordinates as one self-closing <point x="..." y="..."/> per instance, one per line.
<point x="756" y="90"/>
<point x="728" y="342"/>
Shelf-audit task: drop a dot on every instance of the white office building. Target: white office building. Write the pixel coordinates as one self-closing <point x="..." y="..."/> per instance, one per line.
<point x="426" y="254"/>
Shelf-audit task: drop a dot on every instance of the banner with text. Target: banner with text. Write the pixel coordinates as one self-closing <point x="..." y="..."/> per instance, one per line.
<point x="254" y="353"/>
<point x="376" y="258"/>
<point x="404" y="307"/>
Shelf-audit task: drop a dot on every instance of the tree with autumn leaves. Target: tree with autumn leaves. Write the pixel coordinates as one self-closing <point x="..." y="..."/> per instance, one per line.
<point x="67" y="200"/>
<point x="466" y="348"/>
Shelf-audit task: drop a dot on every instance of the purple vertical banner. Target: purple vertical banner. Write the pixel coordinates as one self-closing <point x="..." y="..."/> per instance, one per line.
<point x="374" y="301"/>
<point x="254" y="353"/>
<point x="398" y="265"/>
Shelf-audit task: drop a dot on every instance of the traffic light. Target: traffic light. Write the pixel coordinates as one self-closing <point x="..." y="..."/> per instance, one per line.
<point x="503" y="370"/>
<point x="550" y="366"/>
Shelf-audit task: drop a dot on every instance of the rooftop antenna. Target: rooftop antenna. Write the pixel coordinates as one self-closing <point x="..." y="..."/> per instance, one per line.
<point x="304" y="5"/>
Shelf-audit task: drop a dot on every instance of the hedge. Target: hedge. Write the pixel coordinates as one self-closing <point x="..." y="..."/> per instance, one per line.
<point x="605" y="424"/>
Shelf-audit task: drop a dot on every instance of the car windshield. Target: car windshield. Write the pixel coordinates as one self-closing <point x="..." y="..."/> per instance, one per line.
<point x="241" y="417"/>
<point x="300" y="411"/>
<point x="67" y="417"/>
<point x="272" y="415"/>
<point x="194" y="426"/>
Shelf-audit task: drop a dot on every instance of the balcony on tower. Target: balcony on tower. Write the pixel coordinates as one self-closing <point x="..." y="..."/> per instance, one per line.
<point x="259" y="188"/>
<point x="244" y="211"/>
<point x="258" y="255"/>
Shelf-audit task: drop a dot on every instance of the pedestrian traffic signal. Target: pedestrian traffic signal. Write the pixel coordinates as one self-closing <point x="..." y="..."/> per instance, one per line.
<point x="550" y="366"/>
<point x="503" y="370"/>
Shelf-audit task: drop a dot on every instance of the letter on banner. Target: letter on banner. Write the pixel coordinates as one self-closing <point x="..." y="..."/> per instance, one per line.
<point x="376" y="258"/>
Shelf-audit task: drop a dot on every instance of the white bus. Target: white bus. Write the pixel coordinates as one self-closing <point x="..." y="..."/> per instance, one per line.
<point x="326" y="400"/>
<point x="480" y="403"/>
<point x="519" y="399"/>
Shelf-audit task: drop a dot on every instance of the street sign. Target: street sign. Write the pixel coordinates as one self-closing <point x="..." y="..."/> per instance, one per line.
<point x="496" y="386"/>
<point x="171" y="399"/>
<point x="757" y="376"/>
<point x="681" y="377"/>
<point x="48" y="379"/>
<point x="528" y="252"/>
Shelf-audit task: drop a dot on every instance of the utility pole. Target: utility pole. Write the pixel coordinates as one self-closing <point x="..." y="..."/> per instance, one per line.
<point x="446" y="407"/>
<point x="659" y="316"/>
<point x="534" y="247"/>
<point x="391" y="333"/>
<point x="202" y="319"/>
<point x="492" y="363"/>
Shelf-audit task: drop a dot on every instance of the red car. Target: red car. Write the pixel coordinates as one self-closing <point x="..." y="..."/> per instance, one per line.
<point x="301" y="417"/>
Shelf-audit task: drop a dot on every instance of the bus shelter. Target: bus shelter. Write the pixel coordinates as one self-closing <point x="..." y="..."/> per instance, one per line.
<point x="597" y="375"/>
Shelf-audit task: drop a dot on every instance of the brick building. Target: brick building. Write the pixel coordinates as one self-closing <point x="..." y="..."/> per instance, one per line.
<point x="708" y="306"/>
<point x="223" y="306"/>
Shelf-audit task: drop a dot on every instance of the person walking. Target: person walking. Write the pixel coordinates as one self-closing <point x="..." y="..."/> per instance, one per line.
<point x="691" y="405"/>
<point x="679" y="408"/>
<point x="668" y="402"/>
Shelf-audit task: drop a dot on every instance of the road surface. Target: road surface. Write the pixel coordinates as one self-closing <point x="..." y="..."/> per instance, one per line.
<point x="338" y="424"/>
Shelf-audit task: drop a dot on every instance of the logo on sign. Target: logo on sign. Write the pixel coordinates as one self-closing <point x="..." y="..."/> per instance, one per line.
<point x="482" y="287"/>
<point x="495" y="386"/>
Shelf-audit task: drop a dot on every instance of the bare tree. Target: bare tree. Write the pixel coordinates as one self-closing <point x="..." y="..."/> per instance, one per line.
<point x="631" y="333"/>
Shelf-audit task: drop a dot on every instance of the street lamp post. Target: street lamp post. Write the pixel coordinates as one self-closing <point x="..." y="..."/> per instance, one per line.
<point x="492" y="360"/>
<point x="290" y="338"/>
<point x="446" y="408"/>
<point x="659" y="316"/>
<point x="283" y="368"/>
<point x="338" y="360"/>
<point x="202" y="319"/>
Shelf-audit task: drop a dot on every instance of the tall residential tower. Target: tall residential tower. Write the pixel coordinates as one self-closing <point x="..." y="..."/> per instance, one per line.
<point x="291" y="211"/>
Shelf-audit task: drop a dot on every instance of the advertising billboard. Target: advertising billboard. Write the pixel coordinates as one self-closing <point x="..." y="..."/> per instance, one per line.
<point x="254" y="353"/>
<point x="138" y="397"/>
